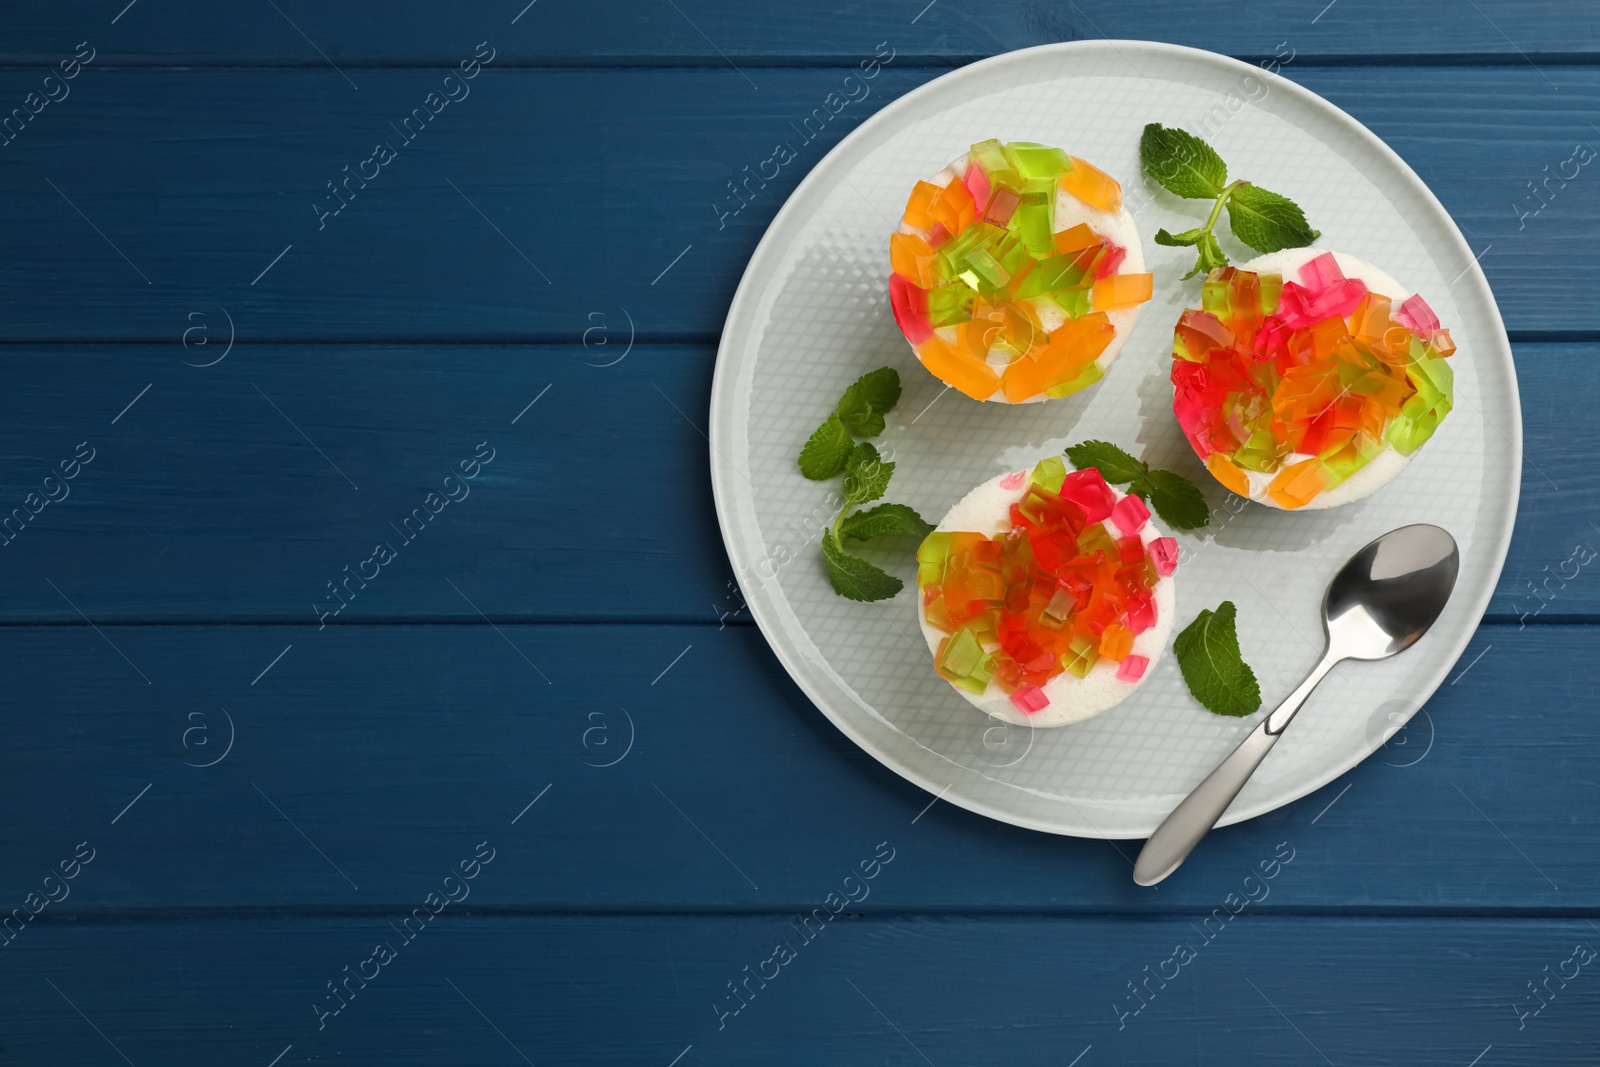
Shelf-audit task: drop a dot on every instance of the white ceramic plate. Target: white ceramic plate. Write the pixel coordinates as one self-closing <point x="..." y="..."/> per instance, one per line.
<point x="812" y="313"/>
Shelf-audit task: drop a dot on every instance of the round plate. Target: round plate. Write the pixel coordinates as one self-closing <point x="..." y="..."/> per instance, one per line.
<point x="812" y="314"/>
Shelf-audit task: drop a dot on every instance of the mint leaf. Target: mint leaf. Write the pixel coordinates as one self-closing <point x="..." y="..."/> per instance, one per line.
<point x="883" y="520"/>
<point x="1266" y="221"/>
<point x="1174" y="498"/>
<point x="858" y="416"/>
<point x="866" y="477"/>
<point x="826" y="451"/>
<point x="1215" y="672"/>
<point x="1114" y="464"/>
<point x="1179" y="240"/>
<point x="853" y="577"/>
<point x="1182" y="162"/>
<point x="879" y="388"/>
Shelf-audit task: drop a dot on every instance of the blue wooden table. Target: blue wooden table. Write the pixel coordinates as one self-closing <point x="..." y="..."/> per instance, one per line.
<point x="378" y="688"/>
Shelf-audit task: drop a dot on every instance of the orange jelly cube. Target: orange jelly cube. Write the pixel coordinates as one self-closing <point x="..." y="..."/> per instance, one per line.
<point x="912" y="258"/>
<point x="956" y="209"/>
<point x="957" y="369"/>
<point x="1073" y="346"/>
<point x="1092" y="185"/>
<point x="1297" y="484"/>
<point x="1228" y="473"/>
<point x="1117" y="291"/>
<point x="919" y="208"/>
<point x="1076" y="239"/>
<point x="1116" y="642"/>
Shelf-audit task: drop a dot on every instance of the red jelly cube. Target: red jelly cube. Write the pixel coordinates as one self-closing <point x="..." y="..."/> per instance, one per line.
<point x="910" y="303"/>
<point x="1030" y="700"/>
<point x="1132" y="668"/>
<point x="1141" y="613"/>
<point x="1130" y="515"/>
<point x="1089" y="491"/>
<point x="1164" y="554"/>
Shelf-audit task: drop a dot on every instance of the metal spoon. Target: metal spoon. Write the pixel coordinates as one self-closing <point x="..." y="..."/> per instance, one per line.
<point x="1378" y="604"/>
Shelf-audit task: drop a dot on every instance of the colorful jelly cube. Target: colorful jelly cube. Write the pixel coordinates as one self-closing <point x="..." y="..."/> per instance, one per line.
<point x="1132" y="668"/>
<point x="1092" y="185"/>
<point x="1030" y="700"/>
<point x="1119" y="291"/>
<point x="910" y="305"/>
<point x="1090" y="492"/>
<point x="1164" y="554"/>
<point x="1049" y="473"/>
<point x="1116" y="642"/>
<point x="960" y="371"/>
<point x="1130" y="514"/>
<point x="912" y="257"/>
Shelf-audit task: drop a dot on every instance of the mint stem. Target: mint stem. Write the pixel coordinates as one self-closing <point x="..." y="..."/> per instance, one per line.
<point x="1222" y="200"/>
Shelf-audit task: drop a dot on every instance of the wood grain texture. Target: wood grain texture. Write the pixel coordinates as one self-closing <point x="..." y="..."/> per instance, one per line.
<point x="366" y="756"/>
<point x="1420" y="992"/>
<point x="500" y="221"/>
<point x="205" y="502"/>
<point x="719" y="32"/>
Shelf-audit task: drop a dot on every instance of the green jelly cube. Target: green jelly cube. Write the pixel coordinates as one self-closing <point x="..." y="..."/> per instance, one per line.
<point x="950" y="305"/>
<point x="1095" y="538"/>
<point x="1437" y="372"/>
<point x="1053" y="274"/>
<point x="962" y="653"/>
<point x="1075" y="303"/>
<point x="1049" y="473"/>
<point x="991" y="156"/>
<point x="1214" y="296"/>
<point x="1034" y="223"/>
<point x="952" y="255"/>
<point x="990" y="276"/>
<point x="1036" y="160"/>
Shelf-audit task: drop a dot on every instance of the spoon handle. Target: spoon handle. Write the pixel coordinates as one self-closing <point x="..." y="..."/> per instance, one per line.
<point x="1198" y="812"/>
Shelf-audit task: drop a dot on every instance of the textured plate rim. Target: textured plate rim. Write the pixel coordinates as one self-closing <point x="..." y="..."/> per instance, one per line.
<point x="760" y="273"/>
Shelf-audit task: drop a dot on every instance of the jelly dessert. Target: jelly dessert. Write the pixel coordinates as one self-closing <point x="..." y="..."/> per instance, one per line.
<point x="1016" y="273"/>
<point x="1045" y="595"/>
<point x="1309" y="379"/>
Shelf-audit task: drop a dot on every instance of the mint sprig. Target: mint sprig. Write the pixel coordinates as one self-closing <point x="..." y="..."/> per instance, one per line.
<point x="1187" y="166"/>
<point x="831" y="450"/>
<point x="1173" y="496"/>
<point x="1213" y="668"/>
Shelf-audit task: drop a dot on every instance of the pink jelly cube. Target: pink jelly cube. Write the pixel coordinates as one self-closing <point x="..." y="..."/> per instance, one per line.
<point x="977" y="183"/>
<point x="1030" y="700"/>
<point x="1321" y="273"/>
<point x="1132" y="668"/>
<point x="1164" y="554"/>
<point x="1013" y="480"/>
<point x="1416" y="316"/>
<point x="1130" y="515"/>
<point x="1088" y="490"/>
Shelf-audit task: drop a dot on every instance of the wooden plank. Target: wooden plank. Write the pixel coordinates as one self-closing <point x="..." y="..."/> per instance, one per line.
<point x="511" y="196"/>
<point x="413" y="32"/>
<point x="365" y="757"/>
<point x="629" y="990"/>
<point x="203" y="501"/>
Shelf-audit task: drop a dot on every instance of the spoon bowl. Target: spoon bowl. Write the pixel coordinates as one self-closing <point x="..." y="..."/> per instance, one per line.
<point x="1380" y="603"/>
<point x="1390" y="593"/>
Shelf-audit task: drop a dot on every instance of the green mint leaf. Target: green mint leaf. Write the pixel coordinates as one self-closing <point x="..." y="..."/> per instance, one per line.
<point x="858" y="416"/>
<point x="1266" y="221"/>
<point x="883" y="520"/>
<point x="1174" y="498"/>
<point x="1179" y="240"/>
<point x="1217" y="675"/>
<point x="879" y="388"/>
<point x="826" y="451"/>
<point x="866" y="476"/>
<point x="1114" y="464"/>
<point x="853" y="577"/>
<point x="1211" y="257"/>
<point x="1182" y="162"/>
